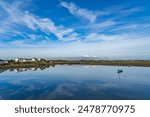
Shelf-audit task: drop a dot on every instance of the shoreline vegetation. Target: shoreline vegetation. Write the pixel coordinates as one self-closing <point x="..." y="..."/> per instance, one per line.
<point x="12" y="64"/>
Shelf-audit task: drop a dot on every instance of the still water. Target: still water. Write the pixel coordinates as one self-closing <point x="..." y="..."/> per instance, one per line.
<point x="75" y="82"/>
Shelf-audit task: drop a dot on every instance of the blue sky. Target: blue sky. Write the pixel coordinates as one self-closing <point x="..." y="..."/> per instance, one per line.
<point x="71" y="28"/>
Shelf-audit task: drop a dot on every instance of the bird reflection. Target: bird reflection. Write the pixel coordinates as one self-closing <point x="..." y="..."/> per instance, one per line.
<point x="119" y="72"/>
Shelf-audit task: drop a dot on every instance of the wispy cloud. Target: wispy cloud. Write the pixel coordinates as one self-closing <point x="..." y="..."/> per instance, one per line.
<point x="131" y="10"/>
<point x="80" y="12"/>
<point x="126" y="47"/>
<point x="106" y="30"/>
<point x="126" y="27"/>
<point x="33" y="22"/>
<point x="102" y="37"/>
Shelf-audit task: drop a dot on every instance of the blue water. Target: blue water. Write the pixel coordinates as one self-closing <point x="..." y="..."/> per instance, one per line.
<point x="75" y="82"/>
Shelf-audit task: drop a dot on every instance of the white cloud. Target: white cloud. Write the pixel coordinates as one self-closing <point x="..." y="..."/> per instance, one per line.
<point x="131" y="10"/>
<point x="80" y="12"/>
<point x="103" y="37"/>
<point x="46" y="25"/>
<point x="103" y="43"/>
<point x="128" y="47"/>
<point x="100" y="26"/>
<point x="126" y="27"/>
<point x="17" y="42"/>
<point x="33" y="36"/>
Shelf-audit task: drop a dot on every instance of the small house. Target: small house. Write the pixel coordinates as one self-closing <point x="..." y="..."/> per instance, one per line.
<point x="3" y="61"/>
<point x="25" y="60"/>
<point x="20" y="60"/>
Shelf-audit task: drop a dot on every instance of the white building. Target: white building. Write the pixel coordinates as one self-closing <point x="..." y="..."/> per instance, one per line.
<point x="3" y="61"/>
<point x="20" y="60"/>
<point x="34" y="59"/>
<point x="25" y="60"/>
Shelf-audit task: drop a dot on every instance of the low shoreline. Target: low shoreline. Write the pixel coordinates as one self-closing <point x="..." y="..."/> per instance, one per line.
<point x="141" y="63"/>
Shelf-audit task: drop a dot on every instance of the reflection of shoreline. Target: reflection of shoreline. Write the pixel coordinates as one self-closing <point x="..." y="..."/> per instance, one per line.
<point x="25" y="69"/>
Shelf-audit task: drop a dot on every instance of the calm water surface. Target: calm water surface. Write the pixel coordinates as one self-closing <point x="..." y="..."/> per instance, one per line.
<point x="75" y="82"/>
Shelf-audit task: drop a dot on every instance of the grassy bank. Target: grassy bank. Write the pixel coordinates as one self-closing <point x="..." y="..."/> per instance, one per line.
<point x="12" y="64"/>
<point x="107" y="62"/>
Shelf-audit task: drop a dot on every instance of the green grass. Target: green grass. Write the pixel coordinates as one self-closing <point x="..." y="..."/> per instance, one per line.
<point x="12" y="64"/>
